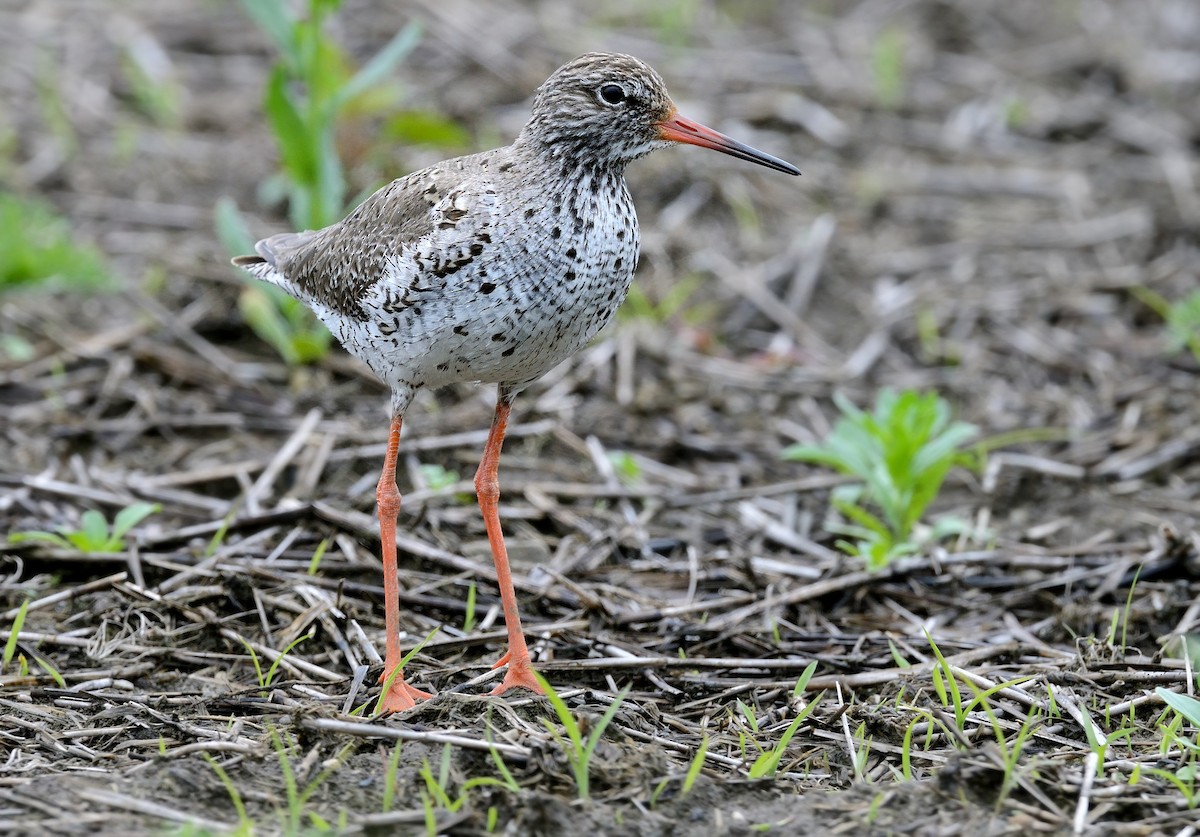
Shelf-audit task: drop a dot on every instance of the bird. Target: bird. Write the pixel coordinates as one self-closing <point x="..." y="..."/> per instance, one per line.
<point x="491" y="268"/>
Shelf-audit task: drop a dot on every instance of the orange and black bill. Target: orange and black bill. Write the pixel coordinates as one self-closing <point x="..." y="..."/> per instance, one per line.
<point x="678" y="129"/>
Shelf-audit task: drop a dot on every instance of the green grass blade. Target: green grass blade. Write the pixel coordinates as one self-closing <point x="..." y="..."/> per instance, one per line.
<point x="693" y="772"/>
<point x="131" y="516"/>
<point x="380" y="65"/>
<point x="10" y="647"/>
<point x="93" y="533"/>
<point x="1186" y="706"/>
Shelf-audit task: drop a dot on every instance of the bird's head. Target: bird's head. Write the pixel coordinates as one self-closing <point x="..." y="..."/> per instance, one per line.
<point x="607" y="109"/>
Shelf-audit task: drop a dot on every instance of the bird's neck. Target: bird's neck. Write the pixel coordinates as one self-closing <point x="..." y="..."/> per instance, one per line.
<point x="570" y="159"/>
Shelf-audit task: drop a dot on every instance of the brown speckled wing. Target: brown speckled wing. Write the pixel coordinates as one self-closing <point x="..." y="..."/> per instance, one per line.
<point x="337" y="266"/>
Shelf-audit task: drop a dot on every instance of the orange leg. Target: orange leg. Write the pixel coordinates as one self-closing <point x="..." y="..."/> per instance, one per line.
<point x="487" y="485"/>
<point x="401" y="695"/>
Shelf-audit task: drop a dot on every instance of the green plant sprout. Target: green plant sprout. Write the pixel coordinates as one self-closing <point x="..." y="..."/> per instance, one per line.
<point x="689" y="778"/>
<point x="436" y="785"/>
<point x="887" y="67"/>
<point x="1187" y="707"/>
<point x="245" y="827"/>
<point x="314" y="563"/>
<point x="469" y="616"/>
<point x="675" y="304"/>
<point x="154" y="92"/>
<point x="747" y="712"/>
<point x="902" y="453"/>
<point x="579" y="753"/>
<point x="265" y="679"/>
<point x="14" y="633"/>
<point x="310" y="85"/>
<point x="94" y="534"/>
<point x="37" y="248"/>
<point x="1182" y="318"/>
<point x="389" y="776"/>
<point x="297" y="798"/>
<point x="387" y="685"/>
<point x="767" y="763"/>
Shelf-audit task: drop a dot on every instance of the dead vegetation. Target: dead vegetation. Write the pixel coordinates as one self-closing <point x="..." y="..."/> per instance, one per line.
<point x="985" y="187"/>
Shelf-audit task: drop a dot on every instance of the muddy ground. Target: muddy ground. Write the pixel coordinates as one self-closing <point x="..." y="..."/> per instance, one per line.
<point x="986" y="187"/>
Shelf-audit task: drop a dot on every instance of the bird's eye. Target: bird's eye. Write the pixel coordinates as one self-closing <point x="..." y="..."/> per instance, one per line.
<point x="613" y="94"/>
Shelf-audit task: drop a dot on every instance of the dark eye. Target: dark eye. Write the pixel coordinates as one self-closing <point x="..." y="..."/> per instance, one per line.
<point x="613" y="94"/>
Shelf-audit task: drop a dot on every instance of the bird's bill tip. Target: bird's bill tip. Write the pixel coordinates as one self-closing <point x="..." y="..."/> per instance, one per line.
<point x="676" y="128"/>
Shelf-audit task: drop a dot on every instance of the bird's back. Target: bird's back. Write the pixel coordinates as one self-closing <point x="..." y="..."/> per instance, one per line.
<point x="490" y="267"/>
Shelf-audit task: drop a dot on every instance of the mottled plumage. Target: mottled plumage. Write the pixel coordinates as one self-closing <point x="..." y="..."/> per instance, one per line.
<point x="492" y="267"/>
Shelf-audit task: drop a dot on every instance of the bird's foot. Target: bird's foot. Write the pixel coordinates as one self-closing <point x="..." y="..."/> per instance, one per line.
<point x="520" y="673"/>
<point x="400" y="695"/>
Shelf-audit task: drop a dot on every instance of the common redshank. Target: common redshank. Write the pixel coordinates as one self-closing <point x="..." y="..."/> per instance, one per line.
<point x="493" y="267"/>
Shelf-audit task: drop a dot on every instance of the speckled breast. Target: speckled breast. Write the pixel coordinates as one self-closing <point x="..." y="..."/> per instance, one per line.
<point x="507" y="299"/>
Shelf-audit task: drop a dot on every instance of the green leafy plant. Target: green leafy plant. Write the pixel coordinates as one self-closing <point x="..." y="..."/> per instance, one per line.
<point x="310" y="86"/>
<point x="37" y="247"/>
<point x="767" y="763"/>
<point x="277" y="318"/>
<point x="1187" y="707"/>
<point x="10" y="647"/>
<point x="902" y="453"/>
<point x="579" y="752"/>
<point x="387" y="684"/>
<point x="1182" y="318"/>
<point x="297" y="797"/>
<point x="245" y="826"/>
<point x="94" y="534"/>
<point x="887" y="67"/>
<point x="436" y="786"/>
<point x="265" y="679"/>
<point x="678" y="302"/>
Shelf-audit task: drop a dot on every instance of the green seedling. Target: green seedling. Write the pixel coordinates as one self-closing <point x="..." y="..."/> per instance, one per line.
<point x="1183" y="779"/>
<point x="245" y="827"/>
<point x="389" y="777"/>
<point x="862" y="753"/>
<point x="37" y="249"/>
<point x="902" y="452"/>
<point x="693" y="771"/>
<point x="1097" y="741"/>
<point x="749" y="716"/>
<point x="310" y="86"/>
<point x="689" y="778"/>
<point x="437" y="477"/>
<point x="297" y="798"/>
<point x="626" y="467"/>
<point x="155" y="93"/>
<point x="887" y="67"/>
<point x="14" y="634"/>
<point x="437" y="785"/>
<point x="767" y="763"/>
<point x="676" y="303"/>
<point x="387" y="684"/>
<point x="314" y="563"/>
<point x="94" y="534"/>
<point x="946" y="685"/>
<point x="469" y="617"/>
<point x="579" y="752"/>
<point x="1182" y="318"/>
<point x="266" y="679"/>
<point x="1187" y="707"/>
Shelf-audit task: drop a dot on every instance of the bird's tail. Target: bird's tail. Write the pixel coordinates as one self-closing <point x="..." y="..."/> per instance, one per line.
<point x="265" y="264"/>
